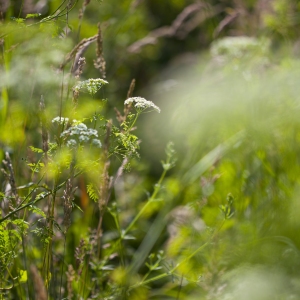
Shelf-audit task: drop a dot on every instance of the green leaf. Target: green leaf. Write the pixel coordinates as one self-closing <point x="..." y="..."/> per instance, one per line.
<point x="26" y="186"/>
<point x="129" y="237"/>
<point x="92" y="192"/>
<point x="37" y="211"/>
<point x="77" y="207"/>
<point x="18" y="20"/>
<point x="37" y="150"/>
<point x="23" y="276"/>
<point x="32" y="16"/>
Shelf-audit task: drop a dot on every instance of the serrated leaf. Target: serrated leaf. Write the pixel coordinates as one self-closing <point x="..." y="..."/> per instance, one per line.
<point x="37" y="150"/>
<point x="20" y="223"/>
<point x="92" y="192"/>
<point x="37" y="211"/>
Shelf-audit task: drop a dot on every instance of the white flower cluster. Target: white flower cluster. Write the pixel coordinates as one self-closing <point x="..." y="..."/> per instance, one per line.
<point x="80" y="133"/>
<point x="91" y="85"/>
<point x="141" y="104"/>
<point x="60" y="120"/>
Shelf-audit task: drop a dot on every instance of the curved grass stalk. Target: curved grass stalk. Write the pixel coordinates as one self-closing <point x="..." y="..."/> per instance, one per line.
<point x="172" y="271"/>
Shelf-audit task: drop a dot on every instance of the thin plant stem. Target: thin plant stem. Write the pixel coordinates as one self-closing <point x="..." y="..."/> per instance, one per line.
<point x="180" y="263"/>
<point x="37" y="199"/>
<point x="156" y="190"/>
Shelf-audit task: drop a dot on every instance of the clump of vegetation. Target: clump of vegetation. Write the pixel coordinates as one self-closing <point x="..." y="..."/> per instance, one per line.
<point x="85" y="216"/>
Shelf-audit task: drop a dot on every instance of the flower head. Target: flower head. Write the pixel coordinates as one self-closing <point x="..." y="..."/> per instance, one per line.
<point x="91" y="85"/>
<point x="79" y="133"/>
<point x="141" y="104"/>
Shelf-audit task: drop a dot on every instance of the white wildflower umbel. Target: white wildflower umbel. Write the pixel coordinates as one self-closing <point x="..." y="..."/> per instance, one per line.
<point x="91" y="85"/>
<point x="79" y="133"/>
<point x="141" y="104"/>
<point x="60" y="120"/>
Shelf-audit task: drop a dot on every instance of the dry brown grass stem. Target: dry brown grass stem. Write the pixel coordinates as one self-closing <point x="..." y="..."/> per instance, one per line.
<point x="226" y="21"/>
<point x="129" y="94"/>
<point x="68" y="197"/>
<point x="79" y="256"/>
<point x="100" y="63"/>
<point x="70" y="278"/>
<point x="121" y="118"/>
<point x="192" y="16"/>
<point x="77" y="52"/>
<point x="81" y="64"/>
<point x="38" y="283"/>
<point x="11" y="178"/>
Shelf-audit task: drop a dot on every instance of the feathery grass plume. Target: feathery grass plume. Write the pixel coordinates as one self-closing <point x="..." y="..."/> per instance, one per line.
<point x="80" y="253"/>
<point x="70" y="278"/>
<point x="68" y="197"/>
<point x="38" y="283"/>
<point x="100" y="63"/>
<point x="11" y="178"/>
<point x="45" y="145"/>
<point x="81" y="64"/>
<point x="93" y="241"/>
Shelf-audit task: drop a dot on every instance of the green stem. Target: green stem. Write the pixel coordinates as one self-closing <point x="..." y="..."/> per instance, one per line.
<point x="134" y="121"/>
<point x="36" y="200"/>
<point x="145" y="282"/>
<point x="46" y="19"/>
<point x="152" y="198"/>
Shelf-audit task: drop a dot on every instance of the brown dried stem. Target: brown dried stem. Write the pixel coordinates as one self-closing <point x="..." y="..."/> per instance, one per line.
<point x="121" y="118"/>
<point x="185" y="22"/>
<point x="77" y="52"/>
<point x="11" y="178"/>
<point x="38" y="283"/>
<point x="165" y="31"/>
<point x="100" y="63"/>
